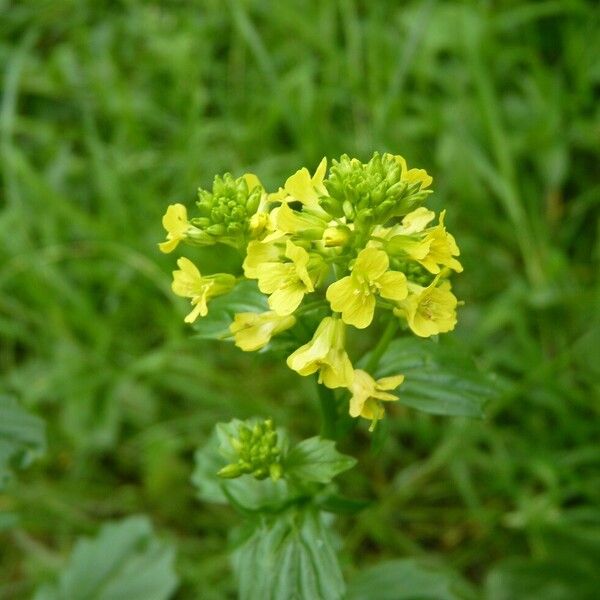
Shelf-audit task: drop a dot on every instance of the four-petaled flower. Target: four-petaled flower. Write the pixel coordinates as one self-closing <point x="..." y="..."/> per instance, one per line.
<point x="354" y="295"/>
<point x="253" y="331"/>
<point x="288" y="282"/>
<point x="326" y="354"/>
<point x="429" y="247"/>
<point x="367" y="395"/>
<point x="429" y="310"/>
<point x="189" y="283"/>
<point x="176" y="223"/>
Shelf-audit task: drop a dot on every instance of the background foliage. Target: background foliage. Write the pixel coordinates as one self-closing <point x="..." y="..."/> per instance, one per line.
<point x="110" y="110"/>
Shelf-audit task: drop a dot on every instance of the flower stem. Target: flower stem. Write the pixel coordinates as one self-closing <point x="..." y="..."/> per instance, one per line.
<point x="386" y="338"/>
<point x="328" y="412"/>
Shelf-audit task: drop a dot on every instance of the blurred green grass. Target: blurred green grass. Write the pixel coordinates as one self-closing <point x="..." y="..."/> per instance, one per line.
<point x="112" y="110"/>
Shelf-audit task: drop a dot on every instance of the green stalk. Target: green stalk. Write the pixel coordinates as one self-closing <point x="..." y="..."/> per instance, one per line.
<point x="384" y="342"/>
<point x="329" y="414"/>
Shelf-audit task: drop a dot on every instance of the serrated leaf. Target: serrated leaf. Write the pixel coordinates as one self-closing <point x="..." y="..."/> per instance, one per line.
<point x="290" y="556"/>
<point x="316" y="459"/>
<point x="408" y="579"/>
<point x="22" y="437"/>
<point x="245" y="492"/>
<point x="439" y="380"/>
<point x="125" y="561"/>
<point x="245" y="297"/>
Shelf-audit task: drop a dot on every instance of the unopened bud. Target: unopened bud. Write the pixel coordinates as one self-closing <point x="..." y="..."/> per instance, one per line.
<point x="336" y="236"/>
<point x="230" y="471"/>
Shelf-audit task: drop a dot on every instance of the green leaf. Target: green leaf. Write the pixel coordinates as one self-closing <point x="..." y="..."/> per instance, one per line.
<point x="245" y="297"/>
<point x="530" y="580"/>
<point x="246" y="493"/>
<point x="340" y="505"/>
<point x="22" y="438"/>
<point x="439" y="380"/>
<point x="408" y="579"/>
<point x="290" y="556"/>
<point x="316" y="459"/>
<point x="125" y="561"/>
<point x="568" y="571"/>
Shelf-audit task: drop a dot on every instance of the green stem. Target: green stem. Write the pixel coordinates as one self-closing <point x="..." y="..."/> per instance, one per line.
<point x="310" y="306"/>
<point x="328" y="412"/>
<point x="386" y="338"/>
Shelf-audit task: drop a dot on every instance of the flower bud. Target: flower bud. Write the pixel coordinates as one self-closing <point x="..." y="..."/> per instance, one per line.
<point x="226" y="211"/>
<point x="336" y="236"/>
<point x="373" y="192"/>
<point x="257" y="450"/>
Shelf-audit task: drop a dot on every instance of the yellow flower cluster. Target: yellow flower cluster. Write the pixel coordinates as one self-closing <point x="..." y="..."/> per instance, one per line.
<point x="356" y="240"/>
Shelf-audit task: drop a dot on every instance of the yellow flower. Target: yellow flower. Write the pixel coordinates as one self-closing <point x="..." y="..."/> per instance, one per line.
<point x="354" y="295"/>
<point x="305" y="224"/>
<point x="189" y="283"/>
<point x="367" y="395"/>
<point x="442" y="249"/>
<point x="429" y="310"/>
<point x="325" y="353"/>
<point x="258" y="253"/>
<point x="253" y="331"/>
<point x="415" y="221"/>
<point x="436" y="247"/>
<point x="301" y="186"/>
<point x="414" y="175"/>
<point x="176" y="223"/>
<point x="286" y="282"/>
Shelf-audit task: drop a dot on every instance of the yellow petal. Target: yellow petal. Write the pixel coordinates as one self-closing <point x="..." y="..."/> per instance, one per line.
<point x="271" y="275"/>
<point x="200" y="309"/>
<point x="418" y="176"/>
<point x="356" y="405"/>
<point x="356" y="305"/>
<point x="176" y="224"/>
<point x="372" y="410"/>
<point x="257" y="253"/>
<point x="300" y="257"/>
<point x="169" y="245"/>
<point x="431" y="311"/>
<point x="175" y="219"/>
<point x="306" y="359"/>
<point x="253" y="331"/>
<point x="337" y="371"/>
<point x="187" y="282"/>
<point x="417" y="220"/>
<point x="297" y="254"/>
<point x="363" y="385"/>
<point x="300" y="187"/>
<point x="339" y="292"/>
<point x="293" y="221"/>
<point x="413" y="175"/>
<point x="252" y="181"/>
<point x="285" y="300"/>
<point x="187" y="266"/>
<point x="390" y="383"/>
<point x="371" y="263"/>
<point x="320" y="171"/>
<point x="392" y="285"/>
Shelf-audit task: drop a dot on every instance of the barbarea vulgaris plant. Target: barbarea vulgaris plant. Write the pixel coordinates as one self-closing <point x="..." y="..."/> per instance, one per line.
<point x="323" y="259"/>
<point x="354" y="242"/>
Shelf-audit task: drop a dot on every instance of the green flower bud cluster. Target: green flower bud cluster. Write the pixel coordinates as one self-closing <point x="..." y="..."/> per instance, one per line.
<point x="258" y="452"/>
<point x="225" y="212"/>
<point x="370" y="192"/>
